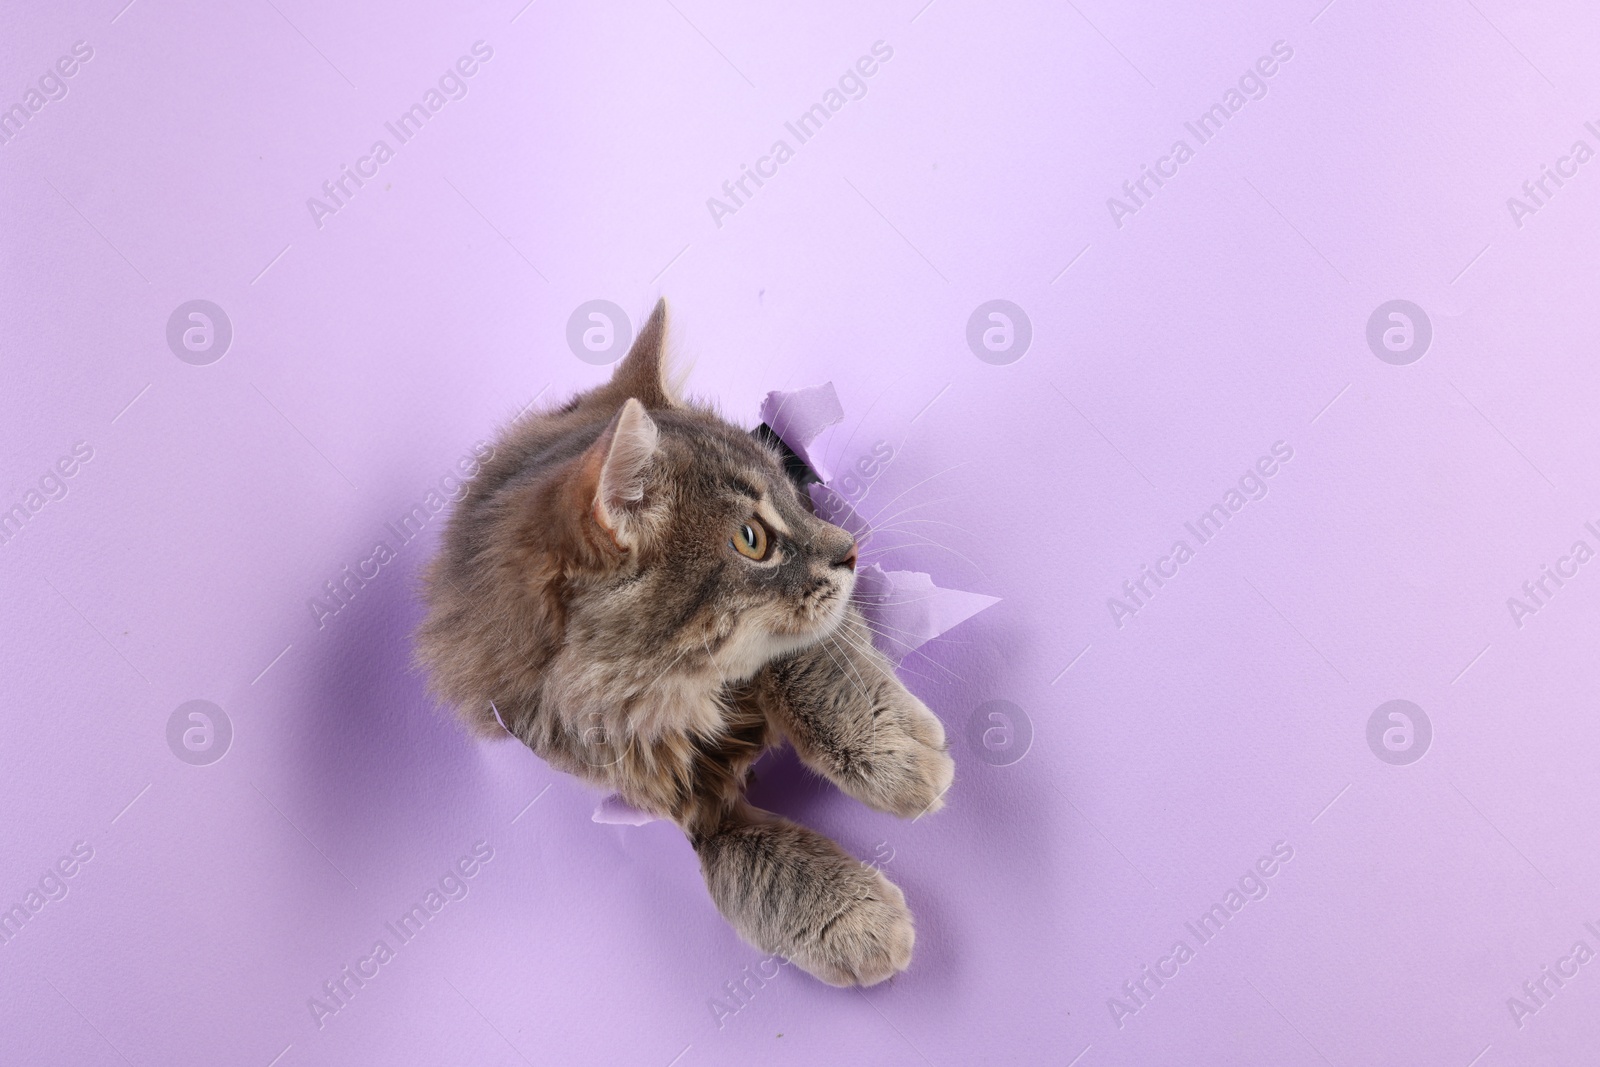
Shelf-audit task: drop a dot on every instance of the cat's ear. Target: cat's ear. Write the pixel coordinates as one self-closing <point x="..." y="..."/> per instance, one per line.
<point x="644" y="373"/>
<point x="616" y="468"/>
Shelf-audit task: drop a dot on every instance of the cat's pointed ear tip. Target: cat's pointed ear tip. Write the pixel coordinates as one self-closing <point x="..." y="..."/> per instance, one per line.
<point x="657" y="316"/>
<point x="632" y="411"/>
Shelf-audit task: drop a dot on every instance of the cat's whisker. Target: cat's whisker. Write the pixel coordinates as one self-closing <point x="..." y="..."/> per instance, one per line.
<point x="882" y="628"/>
<point x="843" y="668"/>
<point x="878" y="626"/>
<point x="863" y="420"/>
<point x="863" y="643"/>
<point x="918" y="652"/>
<point x="929" y="543"/>
<point x="894" y="601"/>
<point x="903" y="492"/>
<point x="677" y="659"/>
<point x="910" y="649"/>
<point x="903" y="642"/>
<point x="924" y="481"/>
<point x="872" y="529"/>
<point x="855" y="667"/>
<point x="929" y="522"/>
<point x="904" y="665"/>
<point x="706" y="644"/>
<point x="777" y="415"/>
<point x="860" y="647"/>
<point x="901" y="667"/>
<point x="877" y="519"/>
<point x="886" y="600"/>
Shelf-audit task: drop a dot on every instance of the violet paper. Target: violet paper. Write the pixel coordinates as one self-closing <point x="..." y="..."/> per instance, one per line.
<point x="799" y="416"/>
<point x="907" y="610"/>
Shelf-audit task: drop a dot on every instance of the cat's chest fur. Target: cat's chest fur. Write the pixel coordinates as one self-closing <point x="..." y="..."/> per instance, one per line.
<point x="649" y="705"/>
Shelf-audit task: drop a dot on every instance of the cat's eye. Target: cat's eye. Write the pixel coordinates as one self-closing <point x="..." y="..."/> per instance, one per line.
<point x="750" y="539"/>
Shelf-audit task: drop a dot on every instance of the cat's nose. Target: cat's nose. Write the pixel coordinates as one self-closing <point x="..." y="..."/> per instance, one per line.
<point x="848" y="559"/>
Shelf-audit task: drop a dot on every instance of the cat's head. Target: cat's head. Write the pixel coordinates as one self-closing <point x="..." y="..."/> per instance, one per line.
<point x="692" y="547"/>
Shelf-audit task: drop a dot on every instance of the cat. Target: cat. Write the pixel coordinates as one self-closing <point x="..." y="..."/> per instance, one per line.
<point x="636" y="589"/>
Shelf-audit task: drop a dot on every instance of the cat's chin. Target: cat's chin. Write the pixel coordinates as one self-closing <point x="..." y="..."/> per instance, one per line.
<point x="814" y="632"/>
<point x="773" y="645"/>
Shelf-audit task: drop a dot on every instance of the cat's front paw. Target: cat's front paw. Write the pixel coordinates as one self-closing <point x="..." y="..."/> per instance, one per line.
<point x="905" y="770"/>
<point x="787" y="889"/>
<point x="869" y="935"/>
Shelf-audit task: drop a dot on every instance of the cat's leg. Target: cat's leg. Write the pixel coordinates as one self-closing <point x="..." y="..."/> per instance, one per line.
<point x="789" y="890"/>
<point x="783" y="887"/>
<point x="851" y="720"/>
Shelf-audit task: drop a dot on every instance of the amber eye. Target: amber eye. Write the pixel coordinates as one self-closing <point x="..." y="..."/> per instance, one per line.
<point x="751" y="539"/>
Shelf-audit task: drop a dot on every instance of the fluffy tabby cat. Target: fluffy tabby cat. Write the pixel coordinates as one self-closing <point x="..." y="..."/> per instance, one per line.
<point x="648" y="602"/>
